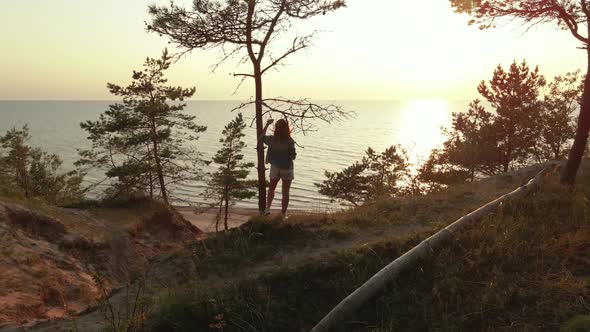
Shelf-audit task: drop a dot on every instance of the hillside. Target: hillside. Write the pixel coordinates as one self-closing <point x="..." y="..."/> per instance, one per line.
<point x="52" y="257"/>
<point x="527" y="267"/>
<point x="524" y="268"/>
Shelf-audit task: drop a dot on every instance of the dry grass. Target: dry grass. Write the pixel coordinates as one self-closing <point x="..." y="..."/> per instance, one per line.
<point x="525" y="268"/>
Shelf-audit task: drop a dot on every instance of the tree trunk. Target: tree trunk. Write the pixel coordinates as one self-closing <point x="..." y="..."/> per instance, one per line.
<point x="218" y="216"/>
<point x="22" y="173"/>
<point x="226" y="210"/>
<point x="158" y="162"/>
<point x="260" y="146"/>
<point x="151" y="185"/>
<point x="568" y="175"/>
<point x="151" y="175"/>
<point x="227" y="186"/>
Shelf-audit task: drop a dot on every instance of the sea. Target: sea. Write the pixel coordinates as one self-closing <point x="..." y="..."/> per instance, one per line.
<point x="413" y="124"/>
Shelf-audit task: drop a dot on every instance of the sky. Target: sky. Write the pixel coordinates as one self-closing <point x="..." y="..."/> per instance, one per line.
<point x="371" y="50"/>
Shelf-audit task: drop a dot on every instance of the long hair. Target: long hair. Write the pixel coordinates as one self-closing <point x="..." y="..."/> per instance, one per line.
<point x="282" y="130"/>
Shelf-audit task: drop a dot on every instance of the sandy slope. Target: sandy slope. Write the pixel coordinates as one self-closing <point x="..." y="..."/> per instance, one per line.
<point x="49" y="256"/>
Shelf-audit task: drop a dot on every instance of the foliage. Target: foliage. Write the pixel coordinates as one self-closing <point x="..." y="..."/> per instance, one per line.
<point x="229" y="183"/>
<point x="482" y="142"/>
<point x="470" y="149"/>
<point x="514" y="95"/>
<point x="35" y="172"/>
<point x="557" y="125"/>
<point x="569" y="15"/>
<point x="248" y="30"/>
<point x="376" y="175"/>
<point x="145" y="142"/>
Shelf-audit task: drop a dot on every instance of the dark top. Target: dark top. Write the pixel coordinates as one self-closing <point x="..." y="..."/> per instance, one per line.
<point x="280" y="153"/>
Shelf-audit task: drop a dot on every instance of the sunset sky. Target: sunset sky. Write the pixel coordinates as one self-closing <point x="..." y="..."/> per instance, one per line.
<point x="374" y="49"/>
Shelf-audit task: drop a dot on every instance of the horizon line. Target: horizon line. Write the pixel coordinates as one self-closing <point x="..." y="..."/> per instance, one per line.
<point x="237" y="100"/>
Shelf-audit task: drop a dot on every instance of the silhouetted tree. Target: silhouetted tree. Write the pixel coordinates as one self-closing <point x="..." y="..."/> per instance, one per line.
<point x="229" y="183"/>
<point x="559" y="105"/>
<point x="487" y="143"/>
<point x="515" y="97"/>
<point x="436" y="172"/>
<point x="35" y="172"/>
<point x="143" y="141"/>
<point x="376" y="175"/>
<point x="349" y="185"/>
<point x="571" y="15"/>
<point x="385" y="171"/>
<point x="247" y="29"/>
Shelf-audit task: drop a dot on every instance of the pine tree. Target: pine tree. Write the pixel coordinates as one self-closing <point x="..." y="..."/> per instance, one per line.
<point x="515" y="96"/>
<point x="16" y="162"/>
<point x="144" y="141"/>
<point x="229" y="183"/>
<point x="375" y="176"/>
<point x="36" y="173"/>
<point x="573" y="16"/>
<point x="482" y="142"/>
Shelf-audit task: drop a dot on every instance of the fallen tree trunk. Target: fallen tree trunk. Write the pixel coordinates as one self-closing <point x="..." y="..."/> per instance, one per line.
<point x="374" y="285"/>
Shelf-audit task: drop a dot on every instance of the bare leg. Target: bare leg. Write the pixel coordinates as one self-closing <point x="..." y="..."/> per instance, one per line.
<point x="285" y="201"/>
<point x="271" y="193"/>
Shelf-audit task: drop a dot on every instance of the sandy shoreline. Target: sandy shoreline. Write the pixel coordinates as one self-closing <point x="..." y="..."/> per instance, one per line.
<point x="204" y="218"/>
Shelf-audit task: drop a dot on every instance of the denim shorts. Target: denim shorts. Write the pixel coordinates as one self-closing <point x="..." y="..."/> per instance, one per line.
<point x="280" y="173"/>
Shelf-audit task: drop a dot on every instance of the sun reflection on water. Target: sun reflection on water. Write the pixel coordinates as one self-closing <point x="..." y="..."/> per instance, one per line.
<point x="420" y="127"/>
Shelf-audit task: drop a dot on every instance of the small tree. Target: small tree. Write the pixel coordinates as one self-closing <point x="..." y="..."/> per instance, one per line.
<point x="229" y="183"/>
<point x="375" y="176"/>
<point x="571" y="15"/>
<point x="16" y="162"/>
<point x="439" y="171"/>
<point x="144" y="142"/>
<point x="247" y="29"/>
<point x="349" y="185"/>
<point x="36" y="172"/>
<point x="385" y="171"/>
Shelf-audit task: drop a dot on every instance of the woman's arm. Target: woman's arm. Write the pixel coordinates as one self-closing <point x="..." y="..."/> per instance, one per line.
<point x="268" y="123"/>
<point x="292" y="151"/>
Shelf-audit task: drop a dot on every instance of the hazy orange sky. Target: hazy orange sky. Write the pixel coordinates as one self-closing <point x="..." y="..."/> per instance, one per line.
<point x="374" y="49"/>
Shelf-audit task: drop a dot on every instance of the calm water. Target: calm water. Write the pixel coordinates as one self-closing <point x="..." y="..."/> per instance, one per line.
<point x="54" y="126"/>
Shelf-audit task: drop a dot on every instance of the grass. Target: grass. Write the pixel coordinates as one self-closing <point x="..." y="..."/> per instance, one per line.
<point x="284" y="300"/>
<point x="261" y="239"/>
<point x="255" y="241"/>
<point x="525" y="268"/>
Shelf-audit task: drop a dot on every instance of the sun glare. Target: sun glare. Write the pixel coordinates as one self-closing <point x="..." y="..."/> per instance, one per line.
<point x="420" y="126"/>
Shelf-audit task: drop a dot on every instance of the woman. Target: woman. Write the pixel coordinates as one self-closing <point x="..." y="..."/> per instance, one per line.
<point x="280" y="155"/>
